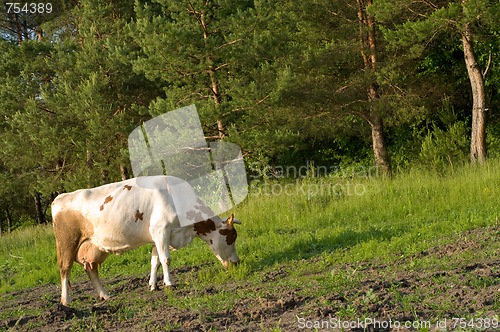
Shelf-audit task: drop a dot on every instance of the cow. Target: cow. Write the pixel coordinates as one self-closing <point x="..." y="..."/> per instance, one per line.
<point x="89" y="224"/>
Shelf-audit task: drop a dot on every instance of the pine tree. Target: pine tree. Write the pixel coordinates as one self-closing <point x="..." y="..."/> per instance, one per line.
<point x="335" y="83"/>
<point x="469" y="23"/>
<point x="70" y="102"/>
<point x="202" y="52"/>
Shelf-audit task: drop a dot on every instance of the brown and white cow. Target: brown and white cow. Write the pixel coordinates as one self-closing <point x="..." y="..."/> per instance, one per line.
<point x="91" y="223"/>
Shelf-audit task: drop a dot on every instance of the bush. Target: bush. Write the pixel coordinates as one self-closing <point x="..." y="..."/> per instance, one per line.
<point x="26" y="221"/>
<point x="445" y="147"/>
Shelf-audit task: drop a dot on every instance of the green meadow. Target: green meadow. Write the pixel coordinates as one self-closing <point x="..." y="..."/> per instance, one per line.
<point x="289" y="220"/>
<point x="306" y="226"/>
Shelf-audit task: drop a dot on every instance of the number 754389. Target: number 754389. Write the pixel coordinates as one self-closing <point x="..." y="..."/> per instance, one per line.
<point x="29" y="8"/>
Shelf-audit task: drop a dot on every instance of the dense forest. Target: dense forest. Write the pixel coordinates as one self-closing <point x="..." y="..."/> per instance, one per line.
<point x="391" y="83"/>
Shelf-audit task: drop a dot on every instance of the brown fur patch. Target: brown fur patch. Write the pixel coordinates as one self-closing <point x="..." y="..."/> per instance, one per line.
<point x="106" y="201"/>
<point x="204" y="227"/>
<point x="138" y="215"/>
<point x="127" y="187"/>
<point x="230" y="235"/>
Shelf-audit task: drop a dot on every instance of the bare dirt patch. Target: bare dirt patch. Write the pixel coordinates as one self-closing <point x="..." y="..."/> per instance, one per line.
<point x="468" y="287"/>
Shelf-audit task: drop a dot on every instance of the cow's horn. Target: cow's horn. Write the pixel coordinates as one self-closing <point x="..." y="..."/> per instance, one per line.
<point x="229" y="221"/>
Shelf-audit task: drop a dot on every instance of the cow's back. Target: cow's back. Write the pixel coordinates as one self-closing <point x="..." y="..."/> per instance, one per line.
<point x="120" y="213"/>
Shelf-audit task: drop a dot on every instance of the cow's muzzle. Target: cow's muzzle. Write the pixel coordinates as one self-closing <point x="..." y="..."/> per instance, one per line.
<point x="228" y="264"/>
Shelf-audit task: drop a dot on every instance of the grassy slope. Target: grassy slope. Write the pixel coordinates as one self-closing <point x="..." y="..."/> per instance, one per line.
<point x="330" y="223"/>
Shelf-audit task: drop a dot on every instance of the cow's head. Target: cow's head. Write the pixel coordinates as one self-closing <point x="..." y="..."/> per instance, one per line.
<point x="221" y="238"/>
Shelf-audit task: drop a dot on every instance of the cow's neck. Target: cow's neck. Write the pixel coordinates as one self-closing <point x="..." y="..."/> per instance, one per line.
<point x="205" y="229"/>
<point x="182" y="236"/>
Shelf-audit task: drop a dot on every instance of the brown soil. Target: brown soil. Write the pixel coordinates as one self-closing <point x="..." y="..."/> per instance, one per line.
<point x="469" y="290"/>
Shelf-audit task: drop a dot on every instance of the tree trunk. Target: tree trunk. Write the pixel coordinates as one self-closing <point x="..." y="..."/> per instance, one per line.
<point x="217" y="101"/>
<point x="25" y="30"/>
<point x="368" y="50"/>
<point x="378" y="139"/>
<point x="39" y="33"/>
<point x="90" y="159"/>
<point x="104" y="176"/>
<point x="9" y="220"/>
<point x="379" y="146"/>
<point x="214" y="88"/>
<point x="18" y="29"/>
<point x="478" y="129"/>
<point x="123" y="172"/>
<point x="40" y="215"/>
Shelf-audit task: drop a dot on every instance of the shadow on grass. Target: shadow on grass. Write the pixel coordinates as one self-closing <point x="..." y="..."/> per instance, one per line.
<point x="314" y="246"/>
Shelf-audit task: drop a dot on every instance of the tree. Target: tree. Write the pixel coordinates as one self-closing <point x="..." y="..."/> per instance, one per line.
<point x="21" y="21"/>
<point x="68" y="104"/>
<point x="468" y="22"/>
<point x="369" y="49"/>
<point x="23" y="72"/>
<point x="202" y="52"/>
<point x="335" y="81"/>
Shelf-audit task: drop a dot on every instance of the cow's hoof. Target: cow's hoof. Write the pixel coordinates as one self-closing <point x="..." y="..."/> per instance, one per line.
<point x="63" y="307"/>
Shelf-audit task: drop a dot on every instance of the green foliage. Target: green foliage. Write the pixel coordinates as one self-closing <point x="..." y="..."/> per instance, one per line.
<point x="445" y="148"/>
<point x="66" y="106"/>
<point x="218" y="55"/>
<point x="442" y="148"/>
<point x="493" y="136"/>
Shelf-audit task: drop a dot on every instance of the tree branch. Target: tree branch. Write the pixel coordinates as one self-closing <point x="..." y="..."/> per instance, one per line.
<point x="430" y="4"/>
<point x="221" y="66"/>
<point x="228" y="43"/>
<point x="485" y="72"/>
<point x="46" y="110"/>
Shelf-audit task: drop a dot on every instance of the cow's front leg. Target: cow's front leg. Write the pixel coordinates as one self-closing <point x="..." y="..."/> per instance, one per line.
<point x="155" y="263"/>
<point x="164" y="256"/>
<point x="161" y="239"/>
<point x="91" y="257"/>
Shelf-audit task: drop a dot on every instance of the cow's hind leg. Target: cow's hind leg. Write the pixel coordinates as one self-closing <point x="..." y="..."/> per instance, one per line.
<point x="155" y="263"/>
<point x="93" y="274"/>
<point x="65" y="271"/>
<point x="66" y="247"/>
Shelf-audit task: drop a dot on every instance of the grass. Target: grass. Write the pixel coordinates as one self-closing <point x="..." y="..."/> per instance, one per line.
<point x="384" y="220"/>
<point x="27" y="258"/>
<point x="329" y="221"/>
